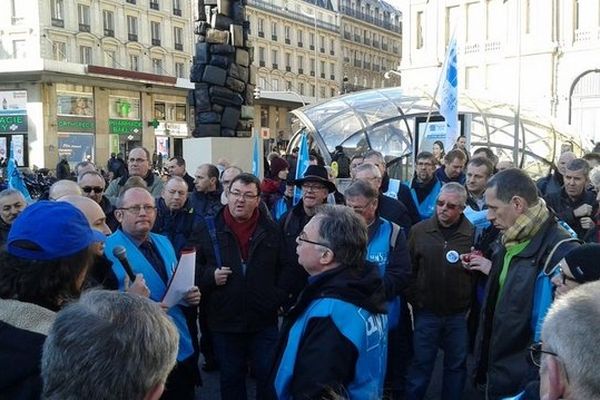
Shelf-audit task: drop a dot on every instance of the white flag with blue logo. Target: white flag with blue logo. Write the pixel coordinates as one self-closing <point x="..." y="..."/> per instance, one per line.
<point x="449" y="100"/>
<point x="256" y="156"/>
<point x="301" y="165"/>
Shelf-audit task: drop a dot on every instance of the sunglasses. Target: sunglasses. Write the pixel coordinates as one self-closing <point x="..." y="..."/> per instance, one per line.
<point x="449" y="206"/>
<point x="95" y="189"/>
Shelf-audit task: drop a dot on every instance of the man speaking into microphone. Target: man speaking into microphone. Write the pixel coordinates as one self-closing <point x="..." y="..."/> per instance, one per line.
<point x="153" y="256"/>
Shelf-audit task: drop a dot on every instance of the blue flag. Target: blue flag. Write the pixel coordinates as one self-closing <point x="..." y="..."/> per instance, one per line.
<point x="301" y="165"/>
<point x="449" y="100"/>
<point x="15" y="179"/>
<point x="255" y="156"/>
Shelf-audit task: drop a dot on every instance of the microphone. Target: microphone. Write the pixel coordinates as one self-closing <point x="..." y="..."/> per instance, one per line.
<point x="121" y="254"/>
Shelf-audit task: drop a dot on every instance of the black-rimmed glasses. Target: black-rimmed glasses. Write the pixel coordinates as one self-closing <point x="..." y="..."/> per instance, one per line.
<point x="535" y="353"/>
<point x="558" y="271"/>
<point x="302" y="237"/>
<point x="136" y="210"/>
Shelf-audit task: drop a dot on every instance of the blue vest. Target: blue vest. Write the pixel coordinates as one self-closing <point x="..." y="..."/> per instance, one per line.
<point x="378" y="252"/>
<point x="140" y="265"/>
<point x="427" y="207"/>
<point x="279" y="208"/>
<point x="365" y="330"/>
<point x="393" y="187"/>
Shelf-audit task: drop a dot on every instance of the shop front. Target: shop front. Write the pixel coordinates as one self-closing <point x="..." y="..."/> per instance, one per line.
<point x="14" y="126"/>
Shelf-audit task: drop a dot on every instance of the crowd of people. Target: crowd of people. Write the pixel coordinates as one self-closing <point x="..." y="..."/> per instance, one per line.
<point x="312" y="291"/>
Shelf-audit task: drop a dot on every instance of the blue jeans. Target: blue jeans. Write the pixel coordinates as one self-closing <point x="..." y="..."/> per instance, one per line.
<point x="432" y="332"/>
<point x="234" y="351"/>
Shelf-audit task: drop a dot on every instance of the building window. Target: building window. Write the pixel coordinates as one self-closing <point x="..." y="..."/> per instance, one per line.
<point x="300" y="66"/>
<point x="288" y="85"/>
<point x="59" y="51"/>
<point x="452" y="15"/>
<point x="19" y="49"/>
<point x="275" y="58"/>
<point x="322" y="65"/>
<point x="288" y="62"/>
<point x="474" y="18"/>
<point x="154" y="5"/>
<point x="322" y="44"/>
<point x="332" y="47"/>
<point x="313" y="90"/>
<point x="132" y="28"/>
<point x="108" y="21"/>
<point x="312" y="67"/>
<point x="264" y="116"/>
<point x="179" y="70"/>
<point x="301" y="88"/>
<point x="288" y="35"/>
<point x="57" y="8"/>
<point x="83" y="15"/>
<point x="261" y="27"/>
<point x="177" y="7"/>
<point x="273" y="31"/>
<point x="300" y="35"/>
<point x="18" y="11"/>
<point x="134" y="62"/>
<point x="110" y="58"/>
<point x="155" y="33"/>
<point x="311" y="40"/>
<point x="262" y="83"/>
<point x="157" y="66"/>
<point x="178" y="37"/>
<point x="419" y="27"/>
<point x="85" y="54"/>
<point x="275" y="84"/>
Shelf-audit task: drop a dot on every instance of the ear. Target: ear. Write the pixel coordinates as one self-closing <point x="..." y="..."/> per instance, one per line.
<point x="155" y="392"/>
<point x="556" y="380"/>
<point x="519" y="203"/>
<point x="327" y="257"/>
<point x="119" y="214"/>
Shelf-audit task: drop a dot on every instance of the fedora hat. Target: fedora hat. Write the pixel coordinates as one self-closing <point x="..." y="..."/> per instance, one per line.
<point x="318" y="174"/>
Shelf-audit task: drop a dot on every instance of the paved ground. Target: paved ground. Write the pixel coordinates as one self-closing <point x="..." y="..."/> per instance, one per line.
<point x="210" y="390"/>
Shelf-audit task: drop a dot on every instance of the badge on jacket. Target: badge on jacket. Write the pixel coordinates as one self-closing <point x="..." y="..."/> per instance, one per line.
<point x="452" y="256"/>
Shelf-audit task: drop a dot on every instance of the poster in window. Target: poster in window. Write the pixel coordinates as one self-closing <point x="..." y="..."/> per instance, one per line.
<point x="76" y="105"/>
<point x="76" y="147"/>
<point x="124" y="107"/>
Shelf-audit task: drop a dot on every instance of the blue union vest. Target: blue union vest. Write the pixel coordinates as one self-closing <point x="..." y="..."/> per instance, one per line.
<point x="368" y="333"/>
<point x="427" y="207"/>
<point x="140" y="265"/>
<point x="378" y="252"/>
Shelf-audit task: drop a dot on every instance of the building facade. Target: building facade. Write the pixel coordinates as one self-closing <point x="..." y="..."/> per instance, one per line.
<point x="541" y="55"/>
<point x="301" y="55"/>
<point x="84" y="78"/>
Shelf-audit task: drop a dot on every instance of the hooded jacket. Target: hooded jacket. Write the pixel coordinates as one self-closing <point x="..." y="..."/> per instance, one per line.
<point x="334" y="338"/>
<point x="23" y="330"/>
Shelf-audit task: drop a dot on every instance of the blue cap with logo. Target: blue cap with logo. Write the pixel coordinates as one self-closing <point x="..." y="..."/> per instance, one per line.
<point x="48" y="230"/>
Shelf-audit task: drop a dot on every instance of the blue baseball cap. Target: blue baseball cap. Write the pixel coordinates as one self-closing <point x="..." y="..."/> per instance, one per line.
<point x="48" y="230"/>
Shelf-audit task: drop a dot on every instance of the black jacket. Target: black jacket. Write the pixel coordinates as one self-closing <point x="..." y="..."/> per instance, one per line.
<point x="563" y="207"/>
<point x="190" y="182"/>
<point x="404" y="197"/>
<point x="394" y="211"/>
<point x="176" y="225"/>
<point x="4" y="229"/>
<point x="505" y="333"/>
<point x="109" y="211"/>
<point x="326" y="358"/>
<point x="249" y="301"/>
<point x="205" y="204"/>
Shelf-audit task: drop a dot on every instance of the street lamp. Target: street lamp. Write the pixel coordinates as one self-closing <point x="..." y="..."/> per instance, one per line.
<point x="391" y="72"/>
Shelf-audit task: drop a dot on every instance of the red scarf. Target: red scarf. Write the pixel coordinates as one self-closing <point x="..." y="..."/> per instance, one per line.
<point x="242" y="230"/>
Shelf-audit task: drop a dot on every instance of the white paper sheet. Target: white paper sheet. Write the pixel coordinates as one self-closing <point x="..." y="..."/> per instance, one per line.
<point x="182" y="280"/>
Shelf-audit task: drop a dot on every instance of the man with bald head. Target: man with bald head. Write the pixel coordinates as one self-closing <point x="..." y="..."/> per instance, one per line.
<point x="153" y="256"/>
<point x="92" y="185"/>
<point x="12" y="203"/>
<point x="62" y="188"/>
<point x="206" y="199"/>
<point x="553" y="182"/>
<point x="174" y="217"/>
<point x="138" y="164"/>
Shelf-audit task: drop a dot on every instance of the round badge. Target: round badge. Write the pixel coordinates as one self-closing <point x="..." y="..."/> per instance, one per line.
<point x="452" y="256"/>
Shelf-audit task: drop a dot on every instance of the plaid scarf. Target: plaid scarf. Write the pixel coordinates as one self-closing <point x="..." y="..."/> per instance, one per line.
<point x="526" y="225"/>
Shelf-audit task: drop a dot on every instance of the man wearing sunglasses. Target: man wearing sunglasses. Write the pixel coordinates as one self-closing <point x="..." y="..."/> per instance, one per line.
<point x="440" y="294"/>
<point x="579" y="266"/>
<point x="507" y="325"/>
<point x="568" y="355"/>
<point x="92" y="185"/>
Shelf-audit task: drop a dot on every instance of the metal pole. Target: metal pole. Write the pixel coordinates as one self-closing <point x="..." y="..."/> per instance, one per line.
<point x="316" y="61"/>
<point x="518" y="108"/>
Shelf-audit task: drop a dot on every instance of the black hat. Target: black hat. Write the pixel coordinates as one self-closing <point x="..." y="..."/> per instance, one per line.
<point x="316" y="173"/>
<point x="583" y="262"/>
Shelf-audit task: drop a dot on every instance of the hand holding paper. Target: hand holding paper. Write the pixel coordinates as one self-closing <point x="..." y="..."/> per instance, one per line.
<point x="182" y="280"/>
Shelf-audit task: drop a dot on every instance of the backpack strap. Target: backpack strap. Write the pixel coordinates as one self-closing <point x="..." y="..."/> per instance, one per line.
<point x="394" y="235"/>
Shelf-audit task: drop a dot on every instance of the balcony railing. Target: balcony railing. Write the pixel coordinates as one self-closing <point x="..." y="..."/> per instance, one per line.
<point x="357" y="63"/>
<point x="132" y="37"/>
<point x="84" y="28"/>
<point x="347" y="36"/>
<point x="154" y="5"/>
<point x="131" y="1"/>
<point x="331" y="52"/>
<point x="300" y="44"/>
<point x="332" y="77"/>
<point x="346" y="59"/>
<point x="384" y="46"/>
<point x="155" y="42"/>
<point x="367" y="41"/>
<point x="384" y="23"/>
<point x="287" y="41"/>
<point x="322" y="49"/>
<point x="312" y="73"/>
<point x="59" y="23"/>
<point x="261" y="34"/>
<point x="367" y="65"/>
<point x="179" y="46"/>
<point x="274" y="38"/>
<point x="357" y="38"/>
<point x="300" y="71"/>
<point x="275" y="66"/>
<point x="272" y="8"/>
<point x="323" y="75"/>
<point x="312" y="47"/>
<point x="288" y="68"/>
<point x="261" y="63"/>
<point x="375" y="44"/>
<point x="177" y="11"/>
<point x="109" y="32"/>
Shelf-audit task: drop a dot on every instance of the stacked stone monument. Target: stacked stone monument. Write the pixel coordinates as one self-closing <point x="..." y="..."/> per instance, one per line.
<point x="222" y="71"/>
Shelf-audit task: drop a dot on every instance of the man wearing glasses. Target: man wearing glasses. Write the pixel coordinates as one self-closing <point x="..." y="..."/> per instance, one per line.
<point x="315" y="187"/>
<point x="153" y="256"/>
<point x="138" y="164"/>
<point x="333" y="341"/>
<point x="507" y="326"/>
<point x="425" y="187"/>
<point x="242" y="275"/>
<point x="568" y="355"/>
<point x="92" y="185"/>
<point x="440" y="294"/>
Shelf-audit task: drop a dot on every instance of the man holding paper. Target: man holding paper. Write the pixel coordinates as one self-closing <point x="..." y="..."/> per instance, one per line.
<point x="153" y="256"/>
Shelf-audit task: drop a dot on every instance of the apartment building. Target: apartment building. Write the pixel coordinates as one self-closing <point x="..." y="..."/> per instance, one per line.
<point x="542" y="55"/>
<point x="302" y="55"/>
<point x="84" y="78"/>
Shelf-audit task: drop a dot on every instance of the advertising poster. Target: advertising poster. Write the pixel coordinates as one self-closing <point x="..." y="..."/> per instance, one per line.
<point x="77" y="147"/>
<point x="75" y="104"/>
<point x="17" y="147"/>
<point x="3" y="148"/>
<point x="13" y="111"/>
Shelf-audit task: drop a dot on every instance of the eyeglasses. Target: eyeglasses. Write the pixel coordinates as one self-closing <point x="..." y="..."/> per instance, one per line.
<point x="302" y="238"/>
<point x="90" y="189"/>
<point x="312" y="188"/>
<point x="558" y="271"/>
<point x="137" y="160"/>
<point x="245" y="196"/>
<point x="135" y="210"/>
<point x="535" y="353"/>
<point x="449" y="206"/>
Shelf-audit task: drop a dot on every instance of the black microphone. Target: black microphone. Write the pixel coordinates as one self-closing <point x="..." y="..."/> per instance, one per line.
<point x="121" y="254"/>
